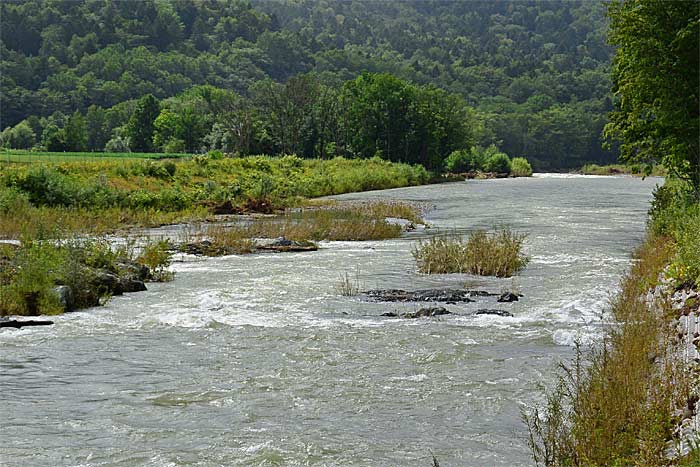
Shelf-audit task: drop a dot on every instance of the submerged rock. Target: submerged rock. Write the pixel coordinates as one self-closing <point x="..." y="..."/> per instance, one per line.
<point x="486" y="311"/>
<point x="426" y="295"/>
<point x="422" y="313"/>
<point x="427" y="312"/>
<point x="508" y="297"/>
<point x="283" y="244"/>
<point x="13" y="323"/>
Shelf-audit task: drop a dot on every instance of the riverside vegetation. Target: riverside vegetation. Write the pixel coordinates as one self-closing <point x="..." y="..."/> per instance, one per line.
<point x="486" y="254"/>
<point x="52" y="208"/>
<point x="619" y="403"/>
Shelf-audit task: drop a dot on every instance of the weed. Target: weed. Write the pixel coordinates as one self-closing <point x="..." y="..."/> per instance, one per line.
<point x="348" y="285"/>
<point x="497" y="254"/>
<point x="157" y="257"/>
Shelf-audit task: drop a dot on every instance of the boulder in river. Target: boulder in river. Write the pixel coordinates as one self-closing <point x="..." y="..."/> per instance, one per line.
<point x="507" y="297"/>
<point x="422" y="313"/>
<point x="65" y="297"/>
<point x="486" y="311"/>
<point x="283" y="244"/>
<point x="425" y="295"/>
<point x="427" y="312"/>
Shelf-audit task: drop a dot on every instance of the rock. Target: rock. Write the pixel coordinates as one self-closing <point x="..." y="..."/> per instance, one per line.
<point x="106" y="282"/>
<point x="507" y="297"/>
<point x="133" y="269"/>
<point x="486" y="311"/>
<point x="426" y="295"/>
<point x="131" y="284"/>
<point x="282" y="244"/>
<point x="225" y="208"/>
<point x="390" y="314"/>
<point x="427" y="312"/>
<point x="65" y="297"/>
<point x="12" y="323"/>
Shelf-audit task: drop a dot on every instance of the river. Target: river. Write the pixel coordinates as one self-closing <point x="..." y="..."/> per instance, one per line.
<point x="257" y="360"/>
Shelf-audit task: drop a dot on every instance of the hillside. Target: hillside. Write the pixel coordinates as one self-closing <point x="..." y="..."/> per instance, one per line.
<point x="536" y="72"/>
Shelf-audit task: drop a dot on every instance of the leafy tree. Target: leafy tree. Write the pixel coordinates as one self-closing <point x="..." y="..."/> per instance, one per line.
<point x="75" y="131"/>
<point x="140" y="127"/>
<point x="21" y="136"/>
<point x="656" y="74"/>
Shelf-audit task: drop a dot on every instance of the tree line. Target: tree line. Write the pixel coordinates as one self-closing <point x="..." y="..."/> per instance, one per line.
<point x="536" y="73"/>
<point x="373" y="115"/>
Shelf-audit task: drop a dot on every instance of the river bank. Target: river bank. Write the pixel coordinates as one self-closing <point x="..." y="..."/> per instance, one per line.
<point x="633" y="399"/>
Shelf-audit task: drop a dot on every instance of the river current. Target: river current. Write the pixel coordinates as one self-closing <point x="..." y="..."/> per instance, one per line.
<point x="258" y="360"/>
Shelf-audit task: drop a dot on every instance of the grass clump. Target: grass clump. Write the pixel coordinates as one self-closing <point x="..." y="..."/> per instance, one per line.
<point x="349" y="285"/>
<point x="486" y="254"/>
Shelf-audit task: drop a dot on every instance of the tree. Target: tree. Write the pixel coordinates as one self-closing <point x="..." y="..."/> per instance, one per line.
<point x="75" y="133"/>
<point x="140" y="126"/>
<point x="655" y="74"/>
<point x="21" y="136"/>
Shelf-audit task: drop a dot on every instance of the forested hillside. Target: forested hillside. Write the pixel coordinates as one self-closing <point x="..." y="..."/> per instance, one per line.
<point x="535" y="73"/>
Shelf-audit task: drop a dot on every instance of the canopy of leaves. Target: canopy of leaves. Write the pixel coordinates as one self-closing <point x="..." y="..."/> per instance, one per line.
<point x="657" y="83"/>
<point x="536" y="72"/>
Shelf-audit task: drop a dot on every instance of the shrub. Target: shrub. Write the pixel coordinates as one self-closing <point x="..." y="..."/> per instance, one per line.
<point x="498" y="254"/>
<point x="520" y="167"/>
<point x="498" y="163"/>
<point x="459" y="161"/>
<point x="157" y="256"/>
<point x="685" y="268"/>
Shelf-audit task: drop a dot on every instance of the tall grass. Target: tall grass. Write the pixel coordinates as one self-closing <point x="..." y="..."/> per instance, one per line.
<point x="486" y="254"/>
<point x="616" y="405"/>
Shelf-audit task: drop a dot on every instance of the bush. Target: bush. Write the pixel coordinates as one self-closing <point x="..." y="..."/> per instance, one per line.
<point x="459" y="161"/>
<point x="498" y="163"/>
<point x="685" y="268"/>
<point x="520" y="167"/>
<point x="484" y="254"/>
<point x="174" y="146"/>
<point x="157" y="256"/>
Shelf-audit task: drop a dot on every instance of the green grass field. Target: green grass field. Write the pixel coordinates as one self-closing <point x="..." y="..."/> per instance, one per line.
<point x="24" y="156"/>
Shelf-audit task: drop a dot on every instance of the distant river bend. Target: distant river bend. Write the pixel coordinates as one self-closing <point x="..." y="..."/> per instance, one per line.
<point x="257" y="360"/>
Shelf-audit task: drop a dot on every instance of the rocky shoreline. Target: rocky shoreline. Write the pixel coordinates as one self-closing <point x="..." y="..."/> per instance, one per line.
<point x="685" y="346"/>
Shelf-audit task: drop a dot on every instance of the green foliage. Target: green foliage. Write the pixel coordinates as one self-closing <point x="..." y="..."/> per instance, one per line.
<point x="537" y="73"/>
<point x="118" y="144"/>
<point x="520" y="167"/>
<point x="21" y="136"/>
<point x="36" y="269"/>
<point x="656" y="70"/>
<point x="157" y="256"/>
<point x="460" y="161"/>
<point x="140" y="128"/>
<point x="498" y="163"/>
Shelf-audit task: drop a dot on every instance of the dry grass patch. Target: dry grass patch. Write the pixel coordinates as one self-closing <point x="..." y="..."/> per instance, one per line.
<point x="486" y="254"/>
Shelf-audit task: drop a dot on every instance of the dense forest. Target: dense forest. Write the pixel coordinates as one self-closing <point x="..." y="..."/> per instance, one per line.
<point x="409" y="81"/>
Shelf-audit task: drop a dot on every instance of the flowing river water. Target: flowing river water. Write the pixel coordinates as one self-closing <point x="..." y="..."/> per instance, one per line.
<point x="257" y="360"/>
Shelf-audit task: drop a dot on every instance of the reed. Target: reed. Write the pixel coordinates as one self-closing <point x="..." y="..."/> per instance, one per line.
<point x="348" y="285"/>
<point x="486" y="254"/>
